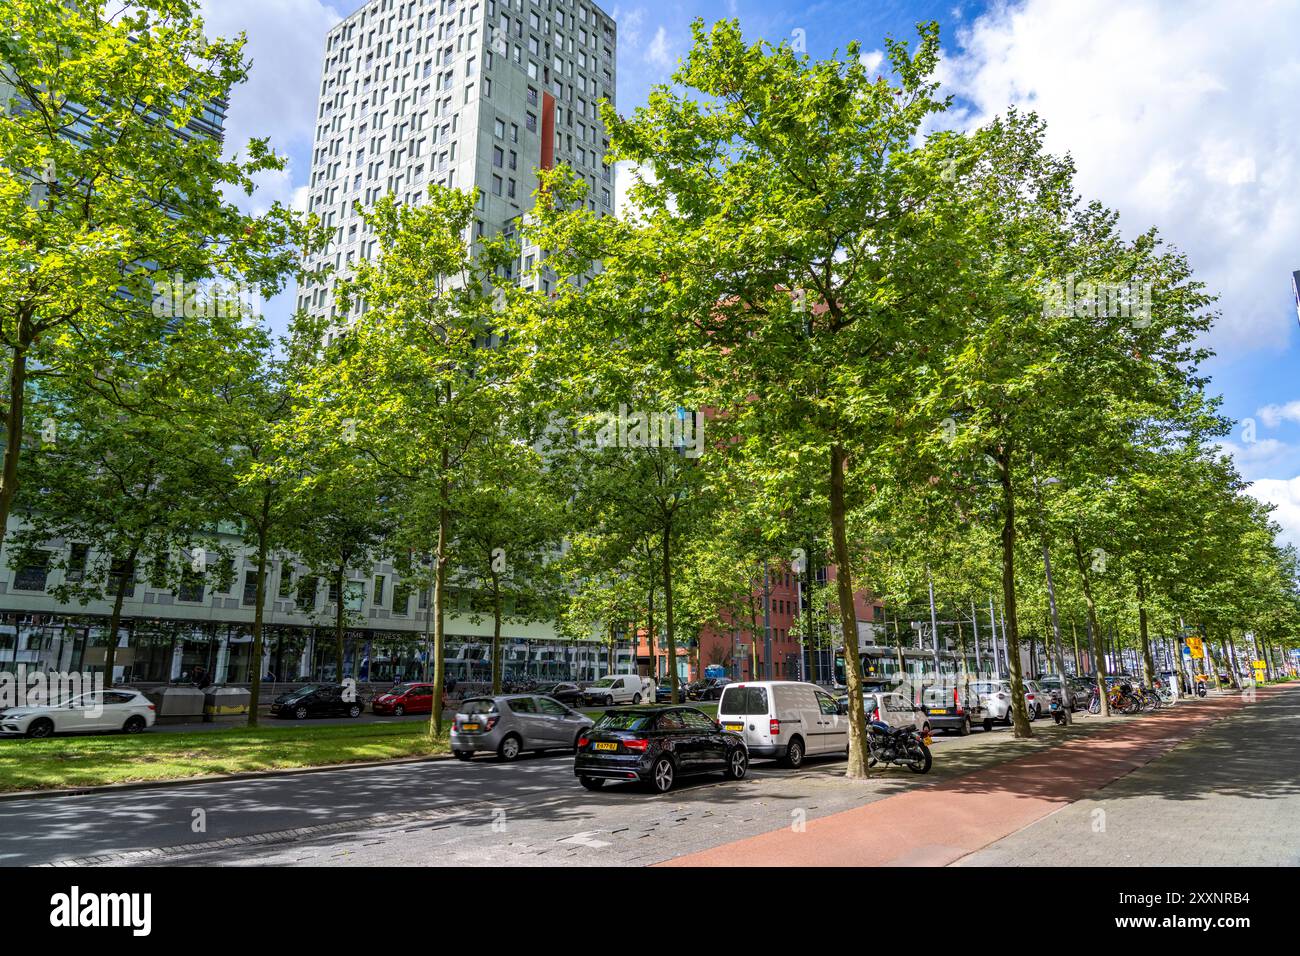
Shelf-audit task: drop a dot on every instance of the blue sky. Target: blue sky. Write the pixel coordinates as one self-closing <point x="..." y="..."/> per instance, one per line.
<point x="1180" y="114"/>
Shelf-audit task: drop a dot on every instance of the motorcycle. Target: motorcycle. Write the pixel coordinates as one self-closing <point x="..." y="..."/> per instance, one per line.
<point x="902" y="746"/>
<point x="1200" y="688"/>
<point x="1057" y="711"/>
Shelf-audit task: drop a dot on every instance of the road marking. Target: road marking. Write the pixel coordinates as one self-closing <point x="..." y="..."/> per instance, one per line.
<point x="585" y="839"/>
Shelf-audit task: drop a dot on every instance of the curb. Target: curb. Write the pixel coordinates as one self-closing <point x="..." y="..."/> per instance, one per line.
<point x="212" y="778"/>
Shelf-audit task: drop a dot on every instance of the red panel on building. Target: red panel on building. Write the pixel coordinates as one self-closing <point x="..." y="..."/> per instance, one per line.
<point x="548" y="131"/>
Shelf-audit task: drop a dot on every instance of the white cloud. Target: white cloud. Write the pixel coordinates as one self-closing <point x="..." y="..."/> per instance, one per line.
<point x="1254" y="457"/>
<point x="1274" y="415"/>
<point x="1179" y="115"/>
<point x="286" y="45"/>
<point x="630" y="23"/>
<point x="1285" y="497"/>
<point x="872" y="60"/>
<point x="658" y="53"/>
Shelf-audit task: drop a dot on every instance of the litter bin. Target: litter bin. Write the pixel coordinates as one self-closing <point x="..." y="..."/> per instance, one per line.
<point x="225" y="702"/>
<point x="178" y="701"/>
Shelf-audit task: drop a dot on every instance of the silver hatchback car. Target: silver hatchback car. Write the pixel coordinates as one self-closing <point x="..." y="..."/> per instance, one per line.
<point x="512" y="723"/>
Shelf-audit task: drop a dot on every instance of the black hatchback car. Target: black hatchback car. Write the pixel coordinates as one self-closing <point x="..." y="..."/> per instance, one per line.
<point x="565" y="693"/>
<point x="317" y="700"/>
<point x="657" y="745"/>
<point x="710" y="689"/>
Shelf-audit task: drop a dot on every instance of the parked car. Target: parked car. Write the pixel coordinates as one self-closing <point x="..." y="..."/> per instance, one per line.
<point x="664" y="693"/>
<point x="1035" y="699"/>
<point x="657" y="746"/>
<point x="614" y="689"/>
<point x="568" y="694"/>
<point x="98" y="711"/>
<point x="513" y="723"/>
<point x="317" y="700"/>
<point x="404" y="699"/>
<point x="995" y="699"/>
<point x="894" y="709"/>
<point x="1079" y="690"/>
<point x="788" y="720"/>
<point x="955" y="705"/>
<point x="710" y="689"/>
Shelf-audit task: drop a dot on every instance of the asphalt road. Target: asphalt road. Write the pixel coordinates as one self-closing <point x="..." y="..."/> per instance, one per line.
<point x="453" y="813"/>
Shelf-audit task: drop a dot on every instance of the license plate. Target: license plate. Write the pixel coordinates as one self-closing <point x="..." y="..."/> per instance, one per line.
<point x="734" y="728"/>
<point x="601" y="746"/>
<point x="938" y="710"/>
<point x="469" y="726"/>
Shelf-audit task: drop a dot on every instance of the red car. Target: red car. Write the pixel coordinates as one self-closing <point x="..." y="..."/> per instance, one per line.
<point x="405" y="699"/>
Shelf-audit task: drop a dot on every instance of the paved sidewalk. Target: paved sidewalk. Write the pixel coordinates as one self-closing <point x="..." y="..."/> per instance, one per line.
<point x="1230" y="796"/>
<point x="938" y="825"/>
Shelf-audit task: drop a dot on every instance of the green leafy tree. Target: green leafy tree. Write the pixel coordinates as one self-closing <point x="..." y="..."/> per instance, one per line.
<point x="419" y="375"/>
<point x="784" y="264"/>
<point x="113" y="178"/>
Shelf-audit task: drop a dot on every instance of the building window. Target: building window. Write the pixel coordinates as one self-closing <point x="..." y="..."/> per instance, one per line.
<point x="377" y="597"/>
<point x="32" y="573"/>
<point x="77" y="563"/>
<point x="307" y="594"/>
<point x="250" y="587"/>
<point x="191" y="586"/>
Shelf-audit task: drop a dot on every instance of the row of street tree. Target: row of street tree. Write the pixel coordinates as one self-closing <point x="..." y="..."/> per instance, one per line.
<point x="854" y="335"/>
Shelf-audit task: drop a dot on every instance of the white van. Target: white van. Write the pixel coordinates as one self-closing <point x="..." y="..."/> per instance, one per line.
<point x="615" y="689"/>
<point x="784" y="719"/>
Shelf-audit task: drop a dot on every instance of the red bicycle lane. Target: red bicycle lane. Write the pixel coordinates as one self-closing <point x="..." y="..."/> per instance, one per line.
<point x="937" y="825"/>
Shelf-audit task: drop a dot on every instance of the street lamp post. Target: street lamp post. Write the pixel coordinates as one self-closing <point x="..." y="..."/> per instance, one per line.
<point x="993" y="626"/>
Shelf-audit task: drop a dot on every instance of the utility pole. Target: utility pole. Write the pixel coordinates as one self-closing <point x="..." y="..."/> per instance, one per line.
<point x="934" y="624"/>
<point x="1007" y="649"/>
<point x="993" y="625"/>
<point x="975" y="626"/>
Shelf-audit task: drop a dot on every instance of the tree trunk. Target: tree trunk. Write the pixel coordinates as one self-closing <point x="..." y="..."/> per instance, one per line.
<point x="650" y="613"/>
<point x="1058" y="653"/>
<point x="898" y="649"/>
<point x="1019" y="712"/>
<point x="1094" y="635"/>
<point x="1148" y="665"/>
<point x="255" y="684"/>
<point x="1236" y="661"/>
<point x="14" y="435"/>
<point x="338" y="622"/>
<point x="961" y="646"/>
<point x="1078" y="661"/>
<point x="857" y="765"/>
<point x="496" y="633"/>
<point x="439" y="596"/>
<point x="666" y="568"/>
<point x="115" y="619"/>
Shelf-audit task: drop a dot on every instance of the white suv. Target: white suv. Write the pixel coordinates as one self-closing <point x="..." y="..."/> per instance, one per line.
<point x="787" y="720"/>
